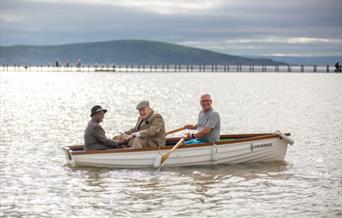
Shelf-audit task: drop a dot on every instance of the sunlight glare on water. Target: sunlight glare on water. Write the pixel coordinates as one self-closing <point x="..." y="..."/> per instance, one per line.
<point x="41" y="112"/>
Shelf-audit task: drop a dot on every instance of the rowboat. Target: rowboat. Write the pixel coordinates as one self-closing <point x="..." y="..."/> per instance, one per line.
<point x="230" y="149"/>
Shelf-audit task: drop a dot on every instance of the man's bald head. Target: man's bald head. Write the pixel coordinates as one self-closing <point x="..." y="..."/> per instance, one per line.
<point x="205" y="96"/>
<point x="206" y="102"/>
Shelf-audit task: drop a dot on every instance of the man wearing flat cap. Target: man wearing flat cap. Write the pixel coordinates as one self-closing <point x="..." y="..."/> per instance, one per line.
<point x="149" y="130"/>
<point x="94" y="135"/>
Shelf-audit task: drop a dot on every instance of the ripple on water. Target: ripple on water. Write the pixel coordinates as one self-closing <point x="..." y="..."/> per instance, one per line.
<point x="44" y="111"/>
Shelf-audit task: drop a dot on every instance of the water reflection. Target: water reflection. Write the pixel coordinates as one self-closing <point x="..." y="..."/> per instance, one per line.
<point x="198" y="183"/>
<point x="43" y="111"/>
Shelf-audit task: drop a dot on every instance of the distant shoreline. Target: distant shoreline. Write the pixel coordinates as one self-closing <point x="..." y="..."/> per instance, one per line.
<point x="174" y="68"/>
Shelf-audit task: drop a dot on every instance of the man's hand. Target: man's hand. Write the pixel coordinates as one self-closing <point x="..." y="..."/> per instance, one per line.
<point x="189" y="126"/>
<point x="121" y="141"/>
<point x="187" y="136"/>
<point x="117" y="137"/>
<point x="128" y="137"/>
<point x="123" y="138"/>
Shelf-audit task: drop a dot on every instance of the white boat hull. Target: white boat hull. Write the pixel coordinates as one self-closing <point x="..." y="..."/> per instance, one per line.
<point x="257" y="150"/>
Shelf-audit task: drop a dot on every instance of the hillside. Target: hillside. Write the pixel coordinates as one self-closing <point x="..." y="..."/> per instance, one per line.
<point x="120" y="52"/>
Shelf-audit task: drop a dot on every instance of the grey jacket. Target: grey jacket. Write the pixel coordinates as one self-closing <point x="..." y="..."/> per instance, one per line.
<point x="95" y="137"/>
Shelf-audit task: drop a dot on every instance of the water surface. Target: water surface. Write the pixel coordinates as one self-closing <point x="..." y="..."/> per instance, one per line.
<point x="40" y="112"/>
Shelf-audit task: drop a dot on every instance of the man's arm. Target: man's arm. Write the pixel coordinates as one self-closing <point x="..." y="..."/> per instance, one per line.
<point x="130" y="131"/>
<point x="213" y="120"/>
<point x="157" y="125"/>
<point x="205" y="131"/>
<point x="190" y="126"/>
<point x="99" y="134"/>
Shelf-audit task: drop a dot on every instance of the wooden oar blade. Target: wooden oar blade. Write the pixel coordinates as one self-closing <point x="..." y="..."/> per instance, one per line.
<point x="167" y="154"/>
<point x="164" y="157"/>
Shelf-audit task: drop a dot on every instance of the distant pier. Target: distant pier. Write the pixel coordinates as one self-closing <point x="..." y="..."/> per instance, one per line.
<point x="173" y="68"/>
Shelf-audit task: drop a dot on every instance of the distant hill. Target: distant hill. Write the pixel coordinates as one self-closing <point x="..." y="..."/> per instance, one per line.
<point x="121" y="52"/>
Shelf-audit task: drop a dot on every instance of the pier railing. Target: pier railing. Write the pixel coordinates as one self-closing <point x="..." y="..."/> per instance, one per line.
<point x="172" y="68"/>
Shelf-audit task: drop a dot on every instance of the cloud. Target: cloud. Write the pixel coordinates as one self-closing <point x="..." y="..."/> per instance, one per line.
<point x="11" y="18"/>
<point x="273" y="46"/>
<point x="156" y="6"/>
<point x="243" y="27"/>
<point x="282" y="40"/>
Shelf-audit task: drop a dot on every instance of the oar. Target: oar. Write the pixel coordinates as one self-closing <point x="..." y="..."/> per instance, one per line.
<point x="157" y="163"/>
<point x="174" y="131"/>
<point x="167" y="154"/>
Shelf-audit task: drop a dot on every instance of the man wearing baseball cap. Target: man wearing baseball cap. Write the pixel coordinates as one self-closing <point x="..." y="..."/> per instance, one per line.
<point x="94" y="135"/>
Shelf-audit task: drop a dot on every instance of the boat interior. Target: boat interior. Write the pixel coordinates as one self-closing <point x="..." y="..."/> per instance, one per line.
<point x="170" y="142"/>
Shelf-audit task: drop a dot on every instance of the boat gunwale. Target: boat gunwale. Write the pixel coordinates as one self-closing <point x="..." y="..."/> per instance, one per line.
<point x="239" y="138"/>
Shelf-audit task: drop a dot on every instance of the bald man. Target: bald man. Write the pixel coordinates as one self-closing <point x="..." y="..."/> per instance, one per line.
<point x="208" y="125"/>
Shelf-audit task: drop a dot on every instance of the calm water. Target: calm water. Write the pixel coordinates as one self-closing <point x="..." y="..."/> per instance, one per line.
<point x="40" y="112"/>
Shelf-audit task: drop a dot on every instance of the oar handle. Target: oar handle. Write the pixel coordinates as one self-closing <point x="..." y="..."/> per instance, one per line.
<point x="177" y="145"/>
<point x="174" y="131"/>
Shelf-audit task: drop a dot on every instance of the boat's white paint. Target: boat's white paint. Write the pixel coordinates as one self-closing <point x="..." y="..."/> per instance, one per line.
<point x="232" y="153"/>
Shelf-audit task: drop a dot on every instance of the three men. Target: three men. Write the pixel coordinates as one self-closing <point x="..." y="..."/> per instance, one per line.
<point x="149" y="130"/>
<point x="94" y="135"/>
<point x="208" y="125"/>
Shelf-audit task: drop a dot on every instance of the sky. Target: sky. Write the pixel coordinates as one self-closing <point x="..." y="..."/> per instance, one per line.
<point x="239" y="27"/>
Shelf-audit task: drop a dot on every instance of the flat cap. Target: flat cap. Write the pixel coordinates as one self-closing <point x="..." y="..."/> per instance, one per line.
<point x="142" y="104"/>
